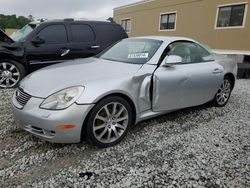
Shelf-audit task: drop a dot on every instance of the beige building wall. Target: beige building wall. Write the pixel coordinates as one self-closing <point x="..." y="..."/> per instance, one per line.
<point x="195" y="19"/>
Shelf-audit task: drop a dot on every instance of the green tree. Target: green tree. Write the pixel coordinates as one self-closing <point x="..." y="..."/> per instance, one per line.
<point x="12" y="21"/>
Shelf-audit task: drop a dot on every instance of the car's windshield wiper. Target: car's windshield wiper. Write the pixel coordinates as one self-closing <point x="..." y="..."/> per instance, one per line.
<point x="122" y="61"/>
<point x="110" y="59"/>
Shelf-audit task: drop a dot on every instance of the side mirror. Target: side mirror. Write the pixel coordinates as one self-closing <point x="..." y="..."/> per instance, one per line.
<point x="173" y="60"/>
<point x="38" y="40"/>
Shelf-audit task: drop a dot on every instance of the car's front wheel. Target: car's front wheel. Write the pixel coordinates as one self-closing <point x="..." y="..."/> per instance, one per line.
<point x="108" y="122"/>
<point x="11" y="72"/>
<point x="222" y="96"/>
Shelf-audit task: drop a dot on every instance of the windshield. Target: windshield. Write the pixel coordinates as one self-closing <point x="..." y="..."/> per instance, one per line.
<point x="135" y="51"/>
<point x="21" y="34"/>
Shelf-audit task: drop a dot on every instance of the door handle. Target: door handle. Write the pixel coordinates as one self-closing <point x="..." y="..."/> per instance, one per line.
<point x="217" y="71"/>
<point x="95" y="47"/>
<point x="65" y="52"/>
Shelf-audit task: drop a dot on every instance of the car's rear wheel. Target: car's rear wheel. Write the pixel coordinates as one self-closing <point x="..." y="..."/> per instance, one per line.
<point x="11" y="73"/>
<point x="108" y="122"/>
<point x="222" y="96"/>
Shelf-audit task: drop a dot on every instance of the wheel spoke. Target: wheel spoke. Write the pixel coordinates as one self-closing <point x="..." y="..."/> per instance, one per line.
<point x="120" y="126"/>
<point x="99" y="127"/>
<point x="107" y="110"/>
<point x="116" y="133"/>
<point x="218" y="95"/>
<point x="12" y="67"/>
<point x="109" y="134"/>
<point x="114" y="109"/>
<point x="1" y="81"/>
<point x="227" y="90"/>
<point x="227" y="86"/>
<point x="120" y="111"/>
<point x="224" y="99"/>
<point x="16" y="74"/>
<point x="101" y="118"/>
<point x="4" y="66"/>
<point x="13" y="80"/>
<point x="7" y="82"/>
<point x="224" y="83"/>
<point x="122" y="119"/>
<point x="220" y="91"/>
<point x="103" y="133"/>
<point x="218" y="98"/>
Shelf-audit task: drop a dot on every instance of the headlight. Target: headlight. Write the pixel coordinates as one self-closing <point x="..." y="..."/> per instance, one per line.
<point x="62" y="99"/>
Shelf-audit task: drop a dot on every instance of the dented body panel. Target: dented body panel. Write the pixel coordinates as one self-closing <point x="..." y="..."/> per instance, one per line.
<point x="10" y="50"/>
<point x="134" y="81"/>
<point x="13" y="51"/>
<point x="185" y="85"/>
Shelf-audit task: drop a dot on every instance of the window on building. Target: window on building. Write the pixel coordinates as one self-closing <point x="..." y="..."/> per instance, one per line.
<point x="231" y="16"/>
<point x="168" y="21"/>
<point x="126" y="24"/>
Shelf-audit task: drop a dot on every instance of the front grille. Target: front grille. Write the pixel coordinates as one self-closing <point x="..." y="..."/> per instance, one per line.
<point x="36" y="129"/>
<point x="22" y="97"/>
<point x="39" y="131"/>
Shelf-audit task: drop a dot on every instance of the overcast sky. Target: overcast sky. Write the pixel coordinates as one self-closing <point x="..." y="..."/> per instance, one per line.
<point x="52" y="9"/>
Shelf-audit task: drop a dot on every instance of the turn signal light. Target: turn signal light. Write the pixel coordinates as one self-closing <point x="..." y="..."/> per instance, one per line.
<point x="65" y="126"/>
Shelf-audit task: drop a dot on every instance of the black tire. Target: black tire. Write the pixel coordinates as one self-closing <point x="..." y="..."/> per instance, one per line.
<point x="92" y="120"/>
<point x="225" y="91"/>
<point x="5" y="65"/>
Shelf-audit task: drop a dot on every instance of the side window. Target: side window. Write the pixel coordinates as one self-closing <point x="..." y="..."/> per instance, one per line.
<point x="54" y="34"/>
<point x="82" y="33"/>
<point x="106" y="38"/>
<point x="190" y="52"/>
<point x="205" y="54"/>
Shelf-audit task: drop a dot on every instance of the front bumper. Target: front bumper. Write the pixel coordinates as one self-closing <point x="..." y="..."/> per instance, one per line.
<point x="43" y="123"/>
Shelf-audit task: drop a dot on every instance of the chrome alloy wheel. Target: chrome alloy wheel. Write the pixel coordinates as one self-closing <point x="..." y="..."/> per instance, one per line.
<point x="110" y="122"/>
<point x="224" y="92"/>
<point x="9" y="75"/>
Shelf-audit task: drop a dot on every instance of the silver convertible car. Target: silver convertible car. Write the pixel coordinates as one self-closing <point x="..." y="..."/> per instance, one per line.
<point x="98" y="99"/>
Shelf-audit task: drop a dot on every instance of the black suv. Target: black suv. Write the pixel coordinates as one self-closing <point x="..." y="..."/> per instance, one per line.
<point x="39" y="44"/>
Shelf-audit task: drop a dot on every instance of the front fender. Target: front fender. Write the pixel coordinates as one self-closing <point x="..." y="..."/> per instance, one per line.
<point x="136" y="88"/>
<point x="12" y="51"/>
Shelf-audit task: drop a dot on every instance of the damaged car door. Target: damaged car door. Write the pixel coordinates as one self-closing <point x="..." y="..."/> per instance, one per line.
<point x="192" y="80"/>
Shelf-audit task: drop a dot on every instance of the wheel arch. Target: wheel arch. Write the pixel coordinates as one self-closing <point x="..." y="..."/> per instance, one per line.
<point x="10" y="57"/>
<point x="122" y="95"/>
<point x="19" y="68"/>
<point x="231" y="77"/>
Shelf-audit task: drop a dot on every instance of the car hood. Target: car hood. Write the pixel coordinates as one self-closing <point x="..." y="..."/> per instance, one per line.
<point x="79" y="72"/>
<point x="5" y="38"/>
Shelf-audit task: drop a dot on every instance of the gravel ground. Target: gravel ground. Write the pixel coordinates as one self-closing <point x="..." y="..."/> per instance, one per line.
<point x="197" y="147"/>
